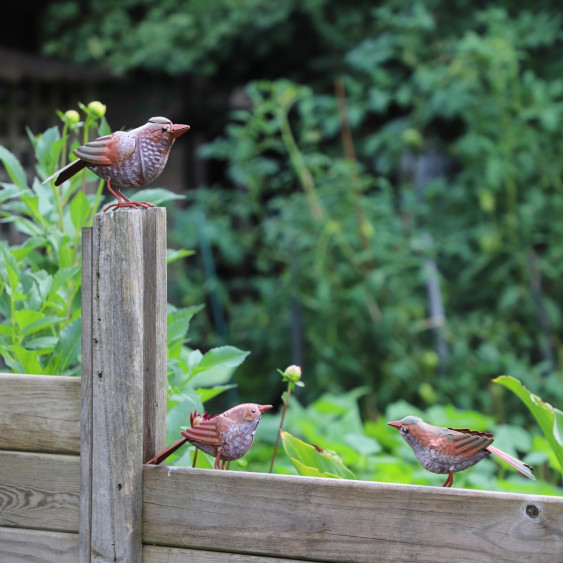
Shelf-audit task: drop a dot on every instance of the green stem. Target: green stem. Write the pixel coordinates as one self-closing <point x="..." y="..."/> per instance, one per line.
<point x="286" y="403"/>
<point x="304" y="174"/>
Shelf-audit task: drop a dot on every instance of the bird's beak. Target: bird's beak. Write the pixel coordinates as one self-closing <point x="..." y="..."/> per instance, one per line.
<point x="263" y="408"/>
<point x="395" y="424"/>
<point x="178" y="130"/>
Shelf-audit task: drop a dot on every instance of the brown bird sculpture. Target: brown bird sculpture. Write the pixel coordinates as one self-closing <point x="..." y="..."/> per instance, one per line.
<point x="126" y="159"/>
<point x="226" y="437"/>
<point x="447" y="450"/>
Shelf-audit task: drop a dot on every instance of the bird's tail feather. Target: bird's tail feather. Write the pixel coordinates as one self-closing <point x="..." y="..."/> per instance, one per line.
<point x="159" y="458"/>
<point x="66" y="172"/>
<point x="524" y="468"/>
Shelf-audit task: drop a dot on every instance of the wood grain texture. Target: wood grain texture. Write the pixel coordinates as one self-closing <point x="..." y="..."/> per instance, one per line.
<point x="40" y="413"/>
<point x="39" y="491"/>
<point x="17" y="545"/>
<point x="155" y="328"/>
<point x="333" y="520"/>
<point x="86" y="426"/>
<point x="117" y="387"/>
<point x="159" y="554"/>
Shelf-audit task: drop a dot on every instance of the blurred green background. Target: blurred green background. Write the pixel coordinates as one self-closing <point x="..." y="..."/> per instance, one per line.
<point x="374" y="193"/>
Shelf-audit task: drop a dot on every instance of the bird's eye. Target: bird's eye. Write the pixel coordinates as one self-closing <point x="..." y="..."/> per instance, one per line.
<point x="165" y="127"/>
<point x="253" y="411"/>
<point x="404" y="430"/>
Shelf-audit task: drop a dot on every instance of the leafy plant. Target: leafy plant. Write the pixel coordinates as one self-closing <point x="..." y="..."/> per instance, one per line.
<point x="311" y="461"/>
<point x="549" y="418"/>
<point x="40" y="278"/>
<point x="328" y="438"/>
<point x="291" y="376"/>
<point x="409" y="243"/>
<point x="40" y="288"/>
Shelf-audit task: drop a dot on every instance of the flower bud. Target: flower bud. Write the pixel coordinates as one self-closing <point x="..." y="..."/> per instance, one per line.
<point x="293" y="373"/>
<point x="71" y="117"/>
<point x="97" y="109"/>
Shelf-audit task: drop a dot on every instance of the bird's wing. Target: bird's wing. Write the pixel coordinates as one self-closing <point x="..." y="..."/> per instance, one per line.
<point x="110" y="149"/>
<point x="207" y="432"/>
<point x="462" y="442"/>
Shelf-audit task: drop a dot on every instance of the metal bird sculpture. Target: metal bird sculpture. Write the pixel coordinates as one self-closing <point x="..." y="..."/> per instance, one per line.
<point x="227" y="436"/>
<point x="447" y="450"/>
<point x="126" y="159"/>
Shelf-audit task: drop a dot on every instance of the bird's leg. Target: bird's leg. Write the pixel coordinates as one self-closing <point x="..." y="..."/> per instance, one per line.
<point x="450" y="480"/>
<point x="223" y="465"/>
<point x="143" y="204"/>
<point x="124" y="201"/>
<point x="217" y="460"/>
<point x="195" y="457"/>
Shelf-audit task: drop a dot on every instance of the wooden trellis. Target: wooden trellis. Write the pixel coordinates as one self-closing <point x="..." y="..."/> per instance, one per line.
<point x="73" y="485"/>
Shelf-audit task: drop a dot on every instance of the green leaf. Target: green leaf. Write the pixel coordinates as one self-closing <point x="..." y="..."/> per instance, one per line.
<point x="79" y="210"/>
<point x="62" y="277"/>
<point x="42" y="343"/>
<point x="24" y="318"/>
<point x="27" y="360"/>
<point x="549" y="418"/>
<point x="10" y="264"/>
<point x="157" y="195"/>
<point x="206" y="394"/>
<point x="14" y="168"/>
<point x="9" y="191"/>
<point x="311" y="462"/>
<point x="40" y="324"/>
<point x="67" y="349"/>
<point x="172" y="255"/>
<point x="216" y="366"/>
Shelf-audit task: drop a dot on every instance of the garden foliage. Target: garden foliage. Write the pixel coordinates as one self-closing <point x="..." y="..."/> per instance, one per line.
<point x="386" y="207"/>
<point x="40" y="278"/>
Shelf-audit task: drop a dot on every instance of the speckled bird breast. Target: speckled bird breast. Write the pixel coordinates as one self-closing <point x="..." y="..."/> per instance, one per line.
<point x="142" y="167"/>
<point x="441" y="463"/>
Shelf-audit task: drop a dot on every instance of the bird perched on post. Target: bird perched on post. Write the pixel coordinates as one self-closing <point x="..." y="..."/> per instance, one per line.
<point x="447" y="450"/>
<point x="227" y="436"/>
<point x="126" y="159"/>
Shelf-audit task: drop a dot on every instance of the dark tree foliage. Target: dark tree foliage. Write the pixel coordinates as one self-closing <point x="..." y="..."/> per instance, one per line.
<point x="389" y="212"/>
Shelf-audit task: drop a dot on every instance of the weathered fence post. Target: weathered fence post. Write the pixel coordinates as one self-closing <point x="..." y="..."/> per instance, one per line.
<point x="123" y="376"/>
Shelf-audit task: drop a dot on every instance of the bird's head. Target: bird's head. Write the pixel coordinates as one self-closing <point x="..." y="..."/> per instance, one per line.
<point x="247" y="412"/>
<point x="409" y="427"/>
<point x="163" y="126"/>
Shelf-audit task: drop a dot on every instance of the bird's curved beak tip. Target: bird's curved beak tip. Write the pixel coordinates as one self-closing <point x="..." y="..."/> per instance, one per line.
<point x="394" y="424"/>
<point x="178" y="129"/>
<point x="264" y="408"/>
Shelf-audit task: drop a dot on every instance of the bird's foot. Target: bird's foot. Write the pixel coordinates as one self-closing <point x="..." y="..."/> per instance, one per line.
<point x="132" y="204"/>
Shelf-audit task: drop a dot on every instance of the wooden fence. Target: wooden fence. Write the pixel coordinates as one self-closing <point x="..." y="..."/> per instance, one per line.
<point x="73" y="485"/>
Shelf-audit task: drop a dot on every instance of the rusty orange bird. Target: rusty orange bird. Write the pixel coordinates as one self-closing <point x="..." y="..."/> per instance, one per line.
<point x="126" y="159"/>
<point x="447" y="450"/>
<point x="227" y="436"/>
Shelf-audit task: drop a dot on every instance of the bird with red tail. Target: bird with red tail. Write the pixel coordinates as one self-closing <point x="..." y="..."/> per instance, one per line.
<point x="126" y="159"/>
<point x="226" y="437"/>
<point x="447" y="450"/>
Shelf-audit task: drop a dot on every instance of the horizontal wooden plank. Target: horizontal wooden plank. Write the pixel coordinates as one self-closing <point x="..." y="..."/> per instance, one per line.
<point x="40" y="413"/>
<point x="334" y="520"/>
<point x="39" y="491"/>
<point x="159" y="554"/>
<point x="19" y="544"/>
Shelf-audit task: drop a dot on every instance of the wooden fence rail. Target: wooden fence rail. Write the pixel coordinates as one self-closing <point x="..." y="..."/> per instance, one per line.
<point x="50" y="510"/>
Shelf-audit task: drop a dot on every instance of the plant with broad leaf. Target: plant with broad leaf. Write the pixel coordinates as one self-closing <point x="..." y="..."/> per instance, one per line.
<point x="40" y="277"/>
<point x="291" y="376"/>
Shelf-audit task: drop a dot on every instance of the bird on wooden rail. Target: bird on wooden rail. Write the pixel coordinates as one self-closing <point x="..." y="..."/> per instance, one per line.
<point x="447" y="450"/>
<point x="227" y="436"/>
<point x="130" y="159"/>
